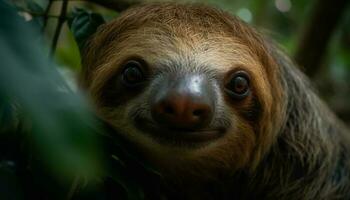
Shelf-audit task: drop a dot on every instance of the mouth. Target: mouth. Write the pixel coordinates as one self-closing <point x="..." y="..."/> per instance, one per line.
<point x="179" y="135"/>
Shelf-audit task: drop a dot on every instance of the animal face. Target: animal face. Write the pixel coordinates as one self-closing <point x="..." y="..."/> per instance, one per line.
<point x="189" y="85"/>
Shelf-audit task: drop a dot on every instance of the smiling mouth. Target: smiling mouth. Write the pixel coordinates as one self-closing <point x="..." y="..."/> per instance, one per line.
<point x="178" y="135"/>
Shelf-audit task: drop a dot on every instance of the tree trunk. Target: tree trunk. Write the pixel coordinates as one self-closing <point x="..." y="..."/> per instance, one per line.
<point x="317" y="33"/>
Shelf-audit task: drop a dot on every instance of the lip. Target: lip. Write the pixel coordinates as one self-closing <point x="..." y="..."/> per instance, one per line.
<point x="176" y="135"/>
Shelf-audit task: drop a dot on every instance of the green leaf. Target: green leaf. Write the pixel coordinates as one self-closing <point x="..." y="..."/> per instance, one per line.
<point x="63" y="128"/>
<point x="83" y="24"/>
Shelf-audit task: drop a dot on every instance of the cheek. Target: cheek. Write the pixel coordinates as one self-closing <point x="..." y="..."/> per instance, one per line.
<point x="121" y="115"/>
<point x="115" y="117"/>
<point x="119" y="120"/>
<point x="237" y="146"/>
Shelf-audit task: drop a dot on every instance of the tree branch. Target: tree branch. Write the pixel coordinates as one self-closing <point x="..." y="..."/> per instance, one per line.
<point x="60" y="22"/>
<point x="46" y="15"/>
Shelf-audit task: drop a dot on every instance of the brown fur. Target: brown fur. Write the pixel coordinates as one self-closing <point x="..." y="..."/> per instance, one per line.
<point x="293" y="148"/>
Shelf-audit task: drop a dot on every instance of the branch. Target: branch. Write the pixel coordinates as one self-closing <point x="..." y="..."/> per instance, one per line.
<point x="60" y="22"/>
<point x="117" y="5"/>
<point x="46" y="15"/>
<point x="317" y="33"/>
<point x="38" y="14"/>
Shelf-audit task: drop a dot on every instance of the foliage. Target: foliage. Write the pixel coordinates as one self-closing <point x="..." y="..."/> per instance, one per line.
<point x="60" y="123"/>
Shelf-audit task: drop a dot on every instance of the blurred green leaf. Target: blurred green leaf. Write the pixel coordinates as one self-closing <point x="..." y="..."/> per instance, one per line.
<point x="62" y="125"/>
<point x="83" y="24"/>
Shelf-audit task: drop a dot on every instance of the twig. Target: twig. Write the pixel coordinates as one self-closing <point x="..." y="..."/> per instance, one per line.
<point x="60" y="22"/>
<point x="38" y="14"/>
<point x="46" y="15"/>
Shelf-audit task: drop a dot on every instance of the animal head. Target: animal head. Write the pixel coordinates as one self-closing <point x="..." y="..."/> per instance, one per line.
<point x="193" y="87"/>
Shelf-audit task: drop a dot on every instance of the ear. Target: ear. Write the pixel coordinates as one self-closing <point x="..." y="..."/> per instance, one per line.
<point x="83" y="25"/>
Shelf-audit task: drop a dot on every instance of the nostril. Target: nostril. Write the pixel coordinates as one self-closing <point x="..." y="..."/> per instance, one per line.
<point x="169" y="110"/>
<point x="198" y="112"/>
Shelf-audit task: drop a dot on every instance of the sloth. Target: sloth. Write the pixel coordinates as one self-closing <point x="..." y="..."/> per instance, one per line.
<point x="215" y="106"/>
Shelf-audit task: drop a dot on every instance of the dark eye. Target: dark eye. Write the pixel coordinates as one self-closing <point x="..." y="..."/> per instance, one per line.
<point x="132" y="74"/>
<point x="238" y="85"/>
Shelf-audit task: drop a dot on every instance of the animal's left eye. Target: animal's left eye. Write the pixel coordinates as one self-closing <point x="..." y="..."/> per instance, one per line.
<point x="238" y="85"/>
<point x="132" y="74"/>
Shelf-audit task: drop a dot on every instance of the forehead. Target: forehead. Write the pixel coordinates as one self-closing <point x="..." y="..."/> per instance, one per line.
<point x="189" y="45"/>
<point x="177" y="33"/>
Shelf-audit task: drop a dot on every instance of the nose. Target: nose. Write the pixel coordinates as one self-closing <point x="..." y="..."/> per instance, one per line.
<point x="185" y="103"/>
<point x="182" y="111"/>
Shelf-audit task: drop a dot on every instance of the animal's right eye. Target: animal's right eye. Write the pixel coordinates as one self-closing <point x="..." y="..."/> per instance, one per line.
<point x="132" y="74"/>
<point x="238" y="85"/>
